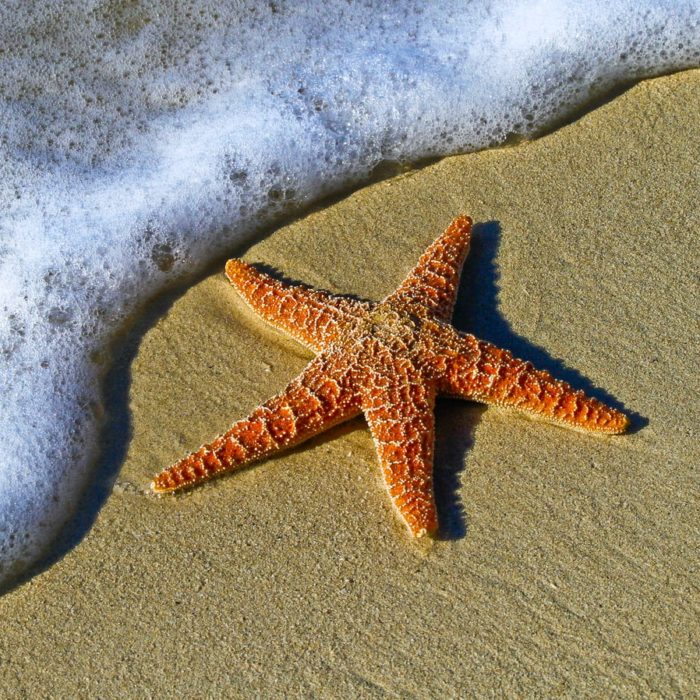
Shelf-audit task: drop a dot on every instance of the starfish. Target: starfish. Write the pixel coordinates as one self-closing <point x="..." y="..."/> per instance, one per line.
<point x="388" y="360"/>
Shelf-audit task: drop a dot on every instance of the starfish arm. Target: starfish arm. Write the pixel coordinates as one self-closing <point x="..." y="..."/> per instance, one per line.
<point x="316" y="400"/>
<point x="477" y="370"/>
<point x="312" y="316"/>
<point x="431" y="288"/>
<point x="399" y="409"/>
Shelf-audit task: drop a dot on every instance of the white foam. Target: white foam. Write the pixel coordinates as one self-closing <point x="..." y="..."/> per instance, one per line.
<point x="140" y="141"/>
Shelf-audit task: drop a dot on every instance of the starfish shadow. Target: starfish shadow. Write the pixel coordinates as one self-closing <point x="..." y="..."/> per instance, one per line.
<point x="476" y="312"/>
<point x="282" y="277"/>
<point x="456" y="422"/>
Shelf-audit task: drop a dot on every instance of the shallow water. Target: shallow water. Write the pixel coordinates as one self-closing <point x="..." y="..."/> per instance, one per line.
<point x="140" y="142"/>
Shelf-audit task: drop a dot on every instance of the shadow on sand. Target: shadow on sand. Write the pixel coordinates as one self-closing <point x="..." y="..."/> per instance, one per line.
<point x="476" y="312"/>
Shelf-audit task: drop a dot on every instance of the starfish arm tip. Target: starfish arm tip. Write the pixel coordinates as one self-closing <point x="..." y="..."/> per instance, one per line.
<point x="233" y="267"/>
<point x="157" y="488"/>
<point x="154" y="488"/>
<point x="425" y="533"/>
<point x="171" y="480"/>
<point x="622" y="423"/>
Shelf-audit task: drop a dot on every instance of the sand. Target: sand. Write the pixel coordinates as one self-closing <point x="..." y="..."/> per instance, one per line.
<point x="566" y="563"/>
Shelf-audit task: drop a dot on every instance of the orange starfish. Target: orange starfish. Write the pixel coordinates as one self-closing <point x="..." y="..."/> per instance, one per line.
<point x="387" y="360"/>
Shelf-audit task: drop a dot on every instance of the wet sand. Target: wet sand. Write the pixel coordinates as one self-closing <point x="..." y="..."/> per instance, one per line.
<point x="565" y="565"/>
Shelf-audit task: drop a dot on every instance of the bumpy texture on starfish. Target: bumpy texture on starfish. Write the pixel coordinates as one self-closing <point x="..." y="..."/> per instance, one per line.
<point x="387" y="360"/>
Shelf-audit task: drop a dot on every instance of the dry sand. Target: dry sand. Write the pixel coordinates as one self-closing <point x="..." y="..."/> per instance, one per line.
<point x="567" y="564"/>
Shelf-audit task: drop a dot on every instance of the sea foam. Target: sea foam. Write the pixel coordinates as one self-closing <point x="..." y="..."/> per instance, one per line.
<point x="140" y="141"/>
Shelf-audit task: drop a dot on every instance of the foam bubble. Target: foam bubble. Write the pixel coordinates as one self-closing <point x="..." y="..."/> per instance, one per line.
<point x="139" y="141"/>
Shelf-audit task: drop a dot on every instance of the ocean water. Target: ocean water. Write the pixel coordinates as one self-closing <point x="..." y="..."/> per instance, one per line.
<point x="141" y="140"/>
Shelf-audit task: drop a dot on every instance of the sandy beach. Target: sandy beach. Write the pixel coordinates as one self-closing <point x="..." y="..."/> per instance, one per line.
<point x="565" y="566"/>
